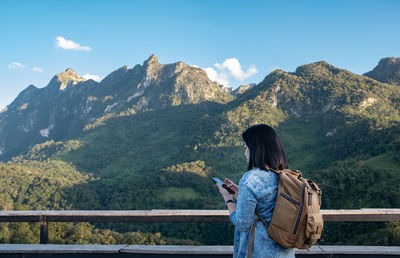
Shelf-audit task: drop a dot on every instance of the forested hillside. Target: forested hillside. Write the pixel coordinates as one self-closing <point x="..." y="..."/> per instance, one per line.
<point x="149" y="137"/>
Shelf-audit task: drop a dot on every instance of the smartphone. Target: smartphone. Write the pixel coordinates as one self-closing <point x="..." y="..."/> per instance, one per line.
<point x="219" y="181"/>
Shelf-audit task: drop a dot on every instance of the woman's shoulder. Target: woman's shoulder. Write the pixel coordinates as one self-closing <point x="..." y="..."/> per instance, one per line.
<point x="258" y="177"/>
<point x="258" y="173"/>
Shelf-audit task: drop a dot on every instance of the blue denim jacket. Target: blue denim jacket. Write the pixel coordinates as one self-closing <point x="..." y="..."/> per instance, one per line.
<point x="257" y="190"/>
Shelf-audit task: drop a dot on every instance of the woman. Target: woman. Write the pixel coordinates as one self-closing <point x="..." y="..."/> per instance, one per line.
<point x="257" y="190"/>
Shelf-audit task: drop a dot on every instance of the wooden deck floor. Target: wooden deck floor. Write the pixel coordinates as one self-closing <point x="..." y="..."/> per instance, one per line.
<point x="165" y="251"/>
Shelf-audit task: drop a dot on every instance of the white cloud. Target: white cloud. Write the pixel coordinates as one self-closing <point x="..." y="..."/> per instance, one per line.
<point x="93" y="77"/>
<point x="70" y="45"/>
<point x="235" y="69"/>
<point x="37" y="69"/>
<point x="221" y="77"/>
<point x="230" y="68"/>
<point x="16" y="65"/>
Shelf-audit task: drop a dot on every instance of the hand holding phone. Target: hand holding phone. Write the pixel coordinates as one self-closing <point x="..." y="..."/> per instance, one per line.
<point x="234" y="187"/>
<point x="222" y="184"/>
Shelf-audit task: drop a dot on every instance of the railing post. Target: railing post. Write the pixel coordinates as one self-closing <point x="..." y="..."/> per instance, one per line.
<point x="44" y="234"/>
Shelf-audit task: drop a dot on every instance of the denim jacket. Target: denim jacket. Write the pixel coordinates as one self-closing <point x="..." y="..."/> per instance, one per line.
<point x="257" y="190"/>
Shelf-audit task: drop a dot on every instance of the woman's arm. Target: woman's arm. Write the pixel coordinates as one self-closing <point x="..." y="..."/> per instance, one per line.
<point x="243" y="217"/>
<point x="227" y="197"/>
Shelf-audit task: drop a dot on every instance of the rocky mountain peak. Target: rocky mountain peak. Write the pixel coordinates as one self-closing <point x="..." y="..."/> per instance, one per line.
<point x="151" y="68"/>
<point x="68" y="76"/>
<point x="387" y="71"/>
<point x="151" y="61"/>
<point x="180" y="65"/>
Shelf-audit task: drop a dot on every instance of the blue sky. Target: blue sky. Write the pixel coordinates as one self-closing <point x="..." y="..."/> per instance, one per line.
<point x="239" y="42"/>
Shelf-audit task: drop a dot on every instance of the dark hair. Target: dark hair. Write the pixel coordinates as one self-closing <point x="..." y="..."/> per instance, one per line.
<point x="266" y="151"/>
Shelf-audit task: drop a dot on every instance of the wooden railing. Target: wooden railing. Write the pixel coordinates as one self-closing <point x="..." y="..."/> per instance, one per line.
<point x="221" y="216"/>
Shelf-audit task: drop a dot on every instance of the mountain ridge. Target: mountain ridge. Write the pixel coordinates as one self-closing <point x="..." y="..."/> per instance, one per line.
<point x="69" y="102"/>
<point x="387" y="71"/>
<point x="312" y="90"/>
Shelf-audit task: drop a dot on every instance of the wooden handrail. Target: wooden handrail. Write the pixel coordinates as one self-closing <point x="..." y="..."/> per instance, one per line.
<point x="44" y="217"/>
<point x="178" y="215"/>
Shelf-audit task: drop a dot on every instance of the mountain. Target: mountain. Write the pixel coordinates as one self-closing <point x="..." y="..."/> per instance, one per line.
<point x="69" y="102"/>
<point x="334" y="101"/>
<point x="242" y="89"/>
<point x="149" y="137"/>
<point x="387" y="70"/>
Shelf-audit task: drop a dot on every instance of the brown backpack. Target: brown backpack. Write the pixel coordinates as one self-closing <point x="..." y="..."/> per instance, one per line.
<point x="296" y="221"/>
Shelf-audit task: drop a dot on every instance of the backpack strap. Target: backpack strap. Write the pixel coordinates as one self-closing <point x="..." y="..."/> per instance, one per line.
<point x="260" y="218"/>
<point x="249" y="249"/>
<point x="252" y="239"/>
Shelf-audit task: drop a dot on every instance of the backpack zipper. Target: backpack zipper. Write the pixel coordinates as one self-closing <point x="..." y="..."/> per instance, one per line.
<point x="300" y="210"/>
<point x="289" y="199"/>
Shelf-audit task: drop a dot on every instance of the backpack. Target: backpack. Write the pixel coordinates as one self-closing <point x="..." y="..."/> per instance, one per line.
<point x="296" y="220"/>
